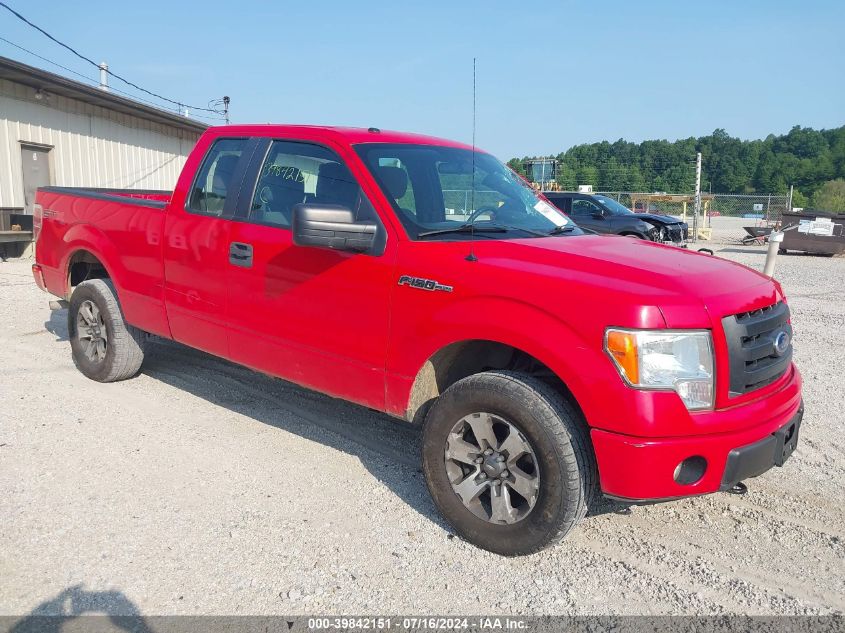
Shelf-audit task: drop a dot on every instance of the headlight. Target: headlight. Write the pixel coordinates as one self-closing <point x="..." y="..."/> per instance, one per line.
<point x="681" y="360"/>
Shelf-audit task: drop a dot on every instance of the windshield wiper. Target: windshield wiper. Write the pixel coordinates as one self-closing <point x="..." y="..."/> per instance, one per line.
<point x="468" y="227"/>
<point x="563" y="228"/>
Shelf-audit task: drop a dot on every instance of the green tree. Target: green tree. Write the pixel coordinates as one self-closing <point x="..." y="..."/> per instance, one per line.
<point x="588" y="175"/>
<point x="635" y="180"/>
<point x="804" y="157"/>
<point x="799" y="199"/>
<point x="831" y="196"/>
<point x="566" y="176"/>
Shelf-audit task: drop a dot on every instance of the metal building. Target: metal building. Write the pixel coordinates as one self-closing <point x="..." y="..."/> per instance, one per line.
<point x="56" y="131"/>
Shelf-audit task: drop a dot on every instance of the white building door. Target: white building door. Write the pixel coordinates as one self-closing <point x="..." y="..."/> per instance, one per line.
<point x="35" y="164"/>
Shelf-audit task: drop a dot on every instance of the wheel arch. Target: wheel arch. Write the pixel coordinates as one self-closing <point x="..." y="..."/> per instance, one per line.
<point x="463" y="358"/>
<point x="88" y="247"/>
<point x="83" y="265"/>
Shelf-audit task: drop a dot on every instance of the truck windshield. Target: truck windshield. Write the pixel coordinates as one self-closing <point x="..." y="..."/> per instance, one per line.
<point x="440" y="192"/>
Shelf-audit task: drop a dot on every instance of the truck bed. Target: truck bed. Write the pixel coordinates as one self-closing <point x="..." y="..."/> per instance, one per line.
<point x="123" y="227"/>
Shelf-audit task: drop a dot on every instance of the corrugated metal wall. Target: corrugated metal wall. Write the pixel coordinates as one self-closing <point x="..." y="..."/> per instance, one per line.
<point x="92" y="146"/>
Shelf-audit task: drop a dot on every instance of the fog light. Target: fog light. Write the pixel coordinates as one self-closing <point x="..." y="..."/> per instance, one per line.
<point x="691" y="470"/>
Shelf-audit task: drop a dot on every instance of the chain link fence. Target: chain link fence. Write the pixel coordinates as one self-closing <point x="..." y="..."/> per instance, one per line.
<point x="726" y="215"/>
<point x="642" y="202"/>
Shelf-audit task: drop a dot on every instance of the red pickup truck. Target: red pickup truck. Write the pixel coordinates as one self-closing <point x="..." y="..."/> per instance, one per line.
<point x="422" y="278"/>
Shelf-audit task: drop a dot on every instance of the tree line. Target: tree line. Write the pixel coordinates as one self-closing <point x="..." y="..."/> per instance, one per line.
<point x="806" y="158"/>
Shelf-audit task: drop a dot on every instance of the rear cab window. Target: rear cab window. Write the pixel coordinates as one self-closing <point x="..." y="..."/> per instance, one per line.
<point x="215" y="179"/>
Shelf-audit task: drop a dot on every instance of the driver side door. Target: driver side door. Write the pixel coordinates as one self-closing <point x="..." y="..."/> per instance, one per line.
<point x="589" y="215"/>
<point x="314" y="316"/>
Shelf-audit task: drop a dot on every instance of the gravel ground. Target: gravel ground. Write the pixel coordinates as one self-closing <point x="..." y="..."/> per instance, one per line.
<point x="200" y="487"/>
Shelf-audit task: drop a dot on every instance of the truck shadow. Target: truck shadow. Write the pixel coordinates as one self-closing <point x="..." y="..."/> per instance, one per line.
<point x="75" y="602"/>
<point x="57" y="325"/>
<point x="386" y="447"/>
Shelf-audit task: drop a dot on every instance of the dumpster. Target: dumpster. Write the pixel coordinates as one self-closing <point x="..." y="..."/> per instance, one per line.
<point x="818" y="232"/>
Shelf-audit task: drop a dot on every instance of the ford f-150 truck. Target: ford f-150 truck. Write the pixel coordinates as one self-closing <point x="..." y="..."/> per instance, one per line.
<point x="544" y="365"/>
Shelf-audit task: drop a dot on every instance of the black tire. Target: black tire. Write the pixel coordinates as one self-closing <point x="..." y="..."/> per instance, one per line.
<point x="123" y="346"/>
<point x="559" y="437"/>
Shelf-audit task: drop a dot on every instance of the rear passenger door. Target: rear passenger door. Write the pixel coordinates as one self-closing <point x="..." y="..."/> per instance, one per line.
<point x="314" y="316"/>
<point x="196" y="249"/>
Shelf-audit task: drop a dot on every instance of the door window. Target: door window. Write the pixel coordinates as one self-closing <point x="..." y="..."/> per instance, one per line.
<point x="584" y="208"/>
<point x="215" y="179"/>
<point x="295" y="173"/>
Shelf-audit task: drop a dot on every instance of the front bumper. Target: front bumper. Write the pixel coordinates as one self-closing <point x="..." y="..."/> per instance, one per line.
<point x="671" y="234"/>
<point x="755" y="459"/>
<point x="644" y="469"/>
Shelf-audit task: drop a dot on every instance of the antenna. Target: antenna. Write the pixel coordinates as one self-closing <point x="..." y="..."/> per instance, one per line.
<point x="471" y="257"/>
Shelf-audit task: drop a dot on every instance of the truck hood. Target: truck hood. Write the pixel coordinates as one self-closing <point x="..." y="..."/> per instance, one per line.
<point x="685" y="285"/>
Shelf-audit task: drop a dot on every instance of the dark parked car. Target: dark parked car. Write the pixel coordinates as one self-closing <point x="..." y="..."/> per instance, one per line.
<point x="605" y="215"/>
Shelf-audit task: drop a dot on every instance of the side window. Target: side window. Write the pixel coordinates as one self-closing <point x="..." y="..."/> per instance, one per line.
<point x="562" y="203"/>
<point x="584" y="208"/>
<point x="294" y="173"/>
<point x="214" y="179"/>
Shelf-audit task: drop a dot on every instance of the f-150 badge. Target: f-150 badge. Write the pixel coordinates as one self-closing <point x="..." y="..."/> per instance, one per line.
<point x="423" y="284"/>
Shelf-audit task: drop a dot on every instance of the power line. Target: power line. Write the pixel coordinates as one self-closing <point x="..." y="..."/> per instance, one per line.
<point x="96" y="65"/>
<point x="95" y="82"/>
<point x="49" y="61"/>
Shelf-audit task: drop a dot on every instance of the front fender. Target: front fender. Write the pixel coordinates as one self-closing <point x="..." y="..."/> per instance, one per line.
<point x="579" y="363"/>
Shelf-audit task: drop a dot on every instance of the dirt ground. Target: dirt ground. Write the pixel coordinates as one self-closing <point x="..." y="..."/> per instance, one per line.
<point x="200" y="487"/>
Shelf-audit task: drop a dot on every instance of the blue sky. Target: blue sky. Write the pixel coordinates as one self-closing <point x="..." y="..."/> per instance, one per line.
<point x="550" y="75"/>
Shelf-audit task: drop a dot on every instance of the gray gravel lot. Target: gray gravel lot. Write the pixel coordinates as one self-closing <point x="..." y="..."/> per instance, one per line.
<point x="200" y="487"/>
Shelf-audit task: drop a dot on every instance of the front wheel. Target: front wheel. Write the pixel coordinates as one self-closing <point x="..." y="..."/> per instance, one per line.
<point x="105" y="348"/>
<point x="508" y="462"/>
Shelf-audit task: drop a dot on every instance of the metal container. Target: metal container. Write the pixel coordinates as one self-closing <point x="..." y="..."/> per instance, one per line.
<point x="817" y="232"/>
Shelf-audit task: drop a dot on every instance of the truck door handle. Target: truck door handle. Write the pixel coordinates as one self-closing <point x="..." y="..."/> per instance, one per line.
<point x="240" y="254"/>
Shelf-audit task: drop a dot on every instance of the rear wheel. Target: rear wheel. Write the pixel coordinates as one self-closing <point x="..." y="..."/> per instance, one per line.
<point x="104" y="347"/>
<point x="508" y="462"/>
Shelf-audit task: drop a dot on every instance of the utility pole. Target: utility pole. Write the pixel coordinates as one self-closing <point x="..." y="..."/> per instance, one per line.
<point x="697" y="196"/>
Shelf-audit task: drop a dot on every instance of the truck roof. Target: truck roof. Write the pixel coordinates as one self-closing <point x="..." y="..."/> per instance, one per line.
<point x="351" y="135"/>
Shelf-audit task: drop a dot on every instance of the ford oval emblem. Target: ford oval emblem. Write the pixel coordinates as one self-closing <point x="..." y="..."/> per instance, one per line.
<point x="781" y="343"/>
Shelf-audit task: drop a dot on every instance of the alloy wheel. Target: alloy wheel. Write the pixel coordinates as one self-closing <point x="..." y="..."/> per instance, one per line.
<point x="91" y="331"/>
<point x="492" y="468"/>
